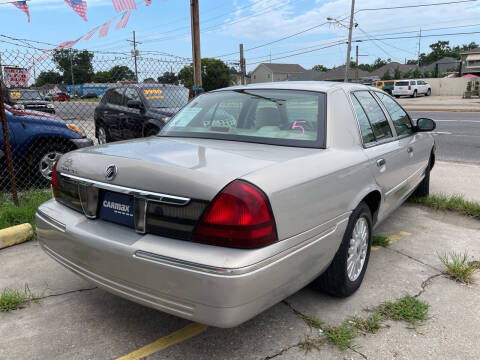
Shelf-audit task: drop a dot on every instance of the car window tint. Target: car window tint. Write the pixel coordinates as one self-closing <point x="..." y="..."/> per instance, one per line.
<point x="277" y="116"/>
<point x="131" y="94"/>
<point x="399" y="117"/>
<point x="116" y="97"/>
<point x="365" y="127"/>
<point x="381" y="127"/>
<point x="412" y="83"/>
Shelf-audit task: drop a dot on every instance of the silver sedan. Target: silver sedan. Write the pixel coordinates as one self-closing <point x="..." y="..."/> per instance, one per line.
<point x="247" y="195"/>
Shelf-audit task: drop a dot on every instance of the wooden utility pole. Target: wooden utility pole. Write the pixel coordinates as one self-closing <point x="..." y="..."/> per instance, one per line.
<point x="135" y="54"/>
<point x="356" y="63"/>
<point x="6" y="139"/>
<point x="242" y="65"/>
<point x="196" y="57"/>
<point x="349" y="45"/>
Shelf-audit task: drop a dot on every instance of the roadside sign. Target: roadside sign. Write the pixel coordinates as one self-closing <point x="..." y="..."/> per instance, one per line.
<point x="16" y="77"/>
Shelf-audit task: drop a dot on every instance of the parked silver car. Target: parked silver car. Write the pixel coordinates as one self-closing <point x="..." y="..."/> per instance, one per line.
<point x="248" y="194"/>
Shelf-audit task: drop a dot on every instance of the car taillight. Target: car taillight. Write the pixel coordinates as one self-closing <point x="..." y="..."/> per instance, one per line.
<point x="409" y="87"/>
<point x="240" y="216"/>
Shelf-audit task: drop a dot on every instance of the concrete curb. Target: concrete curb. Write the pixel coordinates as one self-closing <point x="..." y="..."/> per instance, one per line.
<point x="15" y="235"/>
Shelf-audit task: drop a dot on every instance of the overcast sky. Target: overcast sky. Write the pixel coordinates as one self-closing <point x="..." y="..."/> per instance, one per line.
<point x="164" y="26"/>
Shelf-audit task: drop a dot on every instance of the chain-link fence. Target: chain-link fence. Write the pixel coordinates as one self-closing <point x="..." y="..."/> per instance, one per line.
<point x="57" y="101"/>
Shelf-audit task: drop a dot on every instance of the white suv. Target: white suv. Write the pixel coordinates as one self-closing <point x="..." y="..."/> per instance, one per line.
<point x="411" y="88"/>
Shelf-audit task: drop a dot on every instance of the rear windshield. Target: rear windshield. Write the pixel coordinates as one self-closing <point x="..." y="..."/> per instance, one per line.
<point x="25" y="95"/>
<point x="167" y="97"/>
<point x="389" y="83"/>
<point x="278" y="117"/>
<point x="401" y="83"/>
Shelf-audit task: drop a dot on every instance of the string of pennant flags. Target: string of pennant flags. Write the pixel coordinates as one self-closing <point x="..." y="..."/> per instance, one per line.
<point x="80" y="7"/>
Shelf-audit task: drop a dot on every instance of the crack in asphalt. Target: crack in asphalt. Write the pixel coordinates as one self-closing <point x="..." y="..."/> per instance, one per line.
<point x="427" y="282"/>
<point x="359" y="353"/>
<point x="66" y="293"/>
<point x="280" y="352"/>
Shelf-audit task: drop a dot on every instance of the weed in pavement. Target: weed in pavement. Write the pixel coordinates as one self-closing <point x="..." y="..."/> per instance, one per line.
<point x="11" y="215"/>
<point x="309" y="344"/>
<point x="12" y="299"/>
<point x="341" y="335"/>
<point x="408" y="309"/>
<point x="369" y="325"/>
<point x="380" y="241"/>
<point x="458" y="267"/>
<point x="454" y="203"/>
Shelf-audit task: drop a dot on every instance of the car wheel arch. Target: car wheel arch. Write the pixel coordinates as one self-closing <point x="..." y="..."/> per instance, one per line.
<point x="149" y="124"/>
<point x="372" y="196"/>
<point x="49" y="140"/>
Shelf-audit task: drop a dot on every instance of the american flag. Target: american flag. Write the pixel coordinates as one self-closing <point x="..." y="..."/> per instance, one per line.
<point x="90" y="34"/>
<point x="104" y="29"/>
<point x="124" y="20"/>
<point x="148" y="2"/>
<point x="22" y="5"/>
<point x="79" y="6"/>
<point x="121" y="5"/>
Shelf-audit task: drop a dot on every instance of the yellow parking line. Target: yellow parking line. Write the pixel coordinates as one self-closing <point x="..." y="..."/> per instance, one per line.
<point x="176" y="337"/>
<point x="393" y="238"/>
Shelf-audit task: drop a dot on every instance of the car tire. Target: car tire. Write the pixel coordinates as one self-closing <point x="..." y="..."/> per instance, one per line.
<point x="429" y="92"/>
<point x="103" y="136"/>
<point x="423" y="189"/>
<point x="151" y="131"/>
<point x="337" y="280"/>
<point x="414" y="95"/>
<point x="42" y="161"/>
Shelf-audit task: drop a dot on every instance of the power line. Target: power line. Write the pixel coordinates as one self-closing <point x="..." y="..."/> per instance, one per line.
<point x="415" y="6"/>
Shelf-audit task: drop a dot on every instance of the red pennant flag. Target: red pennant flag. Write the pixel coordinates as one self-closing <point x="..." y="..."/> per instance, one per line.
<point x="121" y="5"/>
<point x="90" y="34"/>
<point x="22" y="5"/>
<point x="124" y="20"/>
<point x="148" y="2"/>
<point x="79" y="6"/>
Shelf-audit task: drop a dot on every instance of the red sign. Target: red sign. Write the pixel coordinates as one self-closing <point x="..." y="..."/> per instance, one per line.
<point x="16" y="77"/>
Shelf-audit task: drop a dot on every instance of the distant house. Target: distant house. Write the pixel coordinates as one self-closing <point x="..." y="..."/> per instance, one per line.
<point x="444" y="64"/>
<point x="268" y="72"/>
<point x="338" y="74"/>
<point x="390" y="68"/>
<point x="51" y="89"/>
<point x="471" y="61"/>
<point x="308" y="75"/>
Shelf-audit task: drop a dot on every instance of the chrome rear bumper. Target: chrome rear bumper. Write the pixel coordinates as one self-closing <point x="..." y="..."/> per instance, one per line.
<point x="141" y="268"/>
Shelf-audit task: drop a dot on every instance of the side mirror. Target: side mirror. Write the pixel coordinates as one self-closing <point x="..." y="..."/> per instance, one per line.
<point x="135" y="104"/>
<point x="425" y="124"/>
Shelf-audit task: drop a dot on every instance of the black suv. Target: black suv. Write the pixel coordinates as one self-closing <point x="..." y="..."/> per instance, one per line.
<point x="27" y="99"/>
<point x="136" y="110"/>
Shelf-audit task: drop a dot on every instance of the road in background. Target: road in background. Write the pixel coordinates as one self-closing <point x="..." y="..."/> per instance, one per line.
<point x="457" y="134"/>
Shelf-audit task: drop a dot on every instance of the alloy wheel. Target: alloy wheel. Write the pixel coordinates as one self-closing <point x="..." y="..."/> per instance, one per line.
<point x="46" y="163"/>
<point x="357" y="251"/>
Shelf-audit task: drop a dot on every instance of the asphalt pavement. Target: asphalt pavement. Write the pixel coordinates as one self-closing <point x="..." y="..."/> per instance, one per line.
<point x="457" y="134"/>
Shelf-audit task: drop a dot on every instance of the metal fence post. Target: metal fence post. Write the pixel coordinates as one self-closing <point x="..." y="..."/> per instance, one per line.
<point x="8" y="150"/>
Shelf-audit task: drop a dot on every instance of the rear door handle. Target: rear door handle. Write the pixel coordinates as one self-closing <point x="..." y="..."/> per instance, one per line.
<point x="381" y="162"/>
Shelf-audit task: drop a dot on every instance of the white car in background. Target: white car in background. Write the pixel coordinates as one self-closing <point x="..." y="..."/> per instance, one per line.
<point x="411" y="88"/>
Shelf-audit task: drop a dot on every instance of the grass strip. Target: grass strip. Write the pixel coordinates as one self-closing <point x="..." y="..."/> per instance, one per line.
<point x="454" y="203"/>
<point x="408" y="309"/>
<point x="11" y="215"/>
<point x="380" y="241"/>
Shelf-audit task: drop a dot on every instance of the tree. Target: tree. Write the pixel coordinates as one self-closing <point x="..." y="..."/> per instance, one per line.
<point x="149" y="81"/>
<point x="168" y="78"/>
<point x="48" y="77"/>
<point x="102" y="77"/>
<point x="320" y="68"/>
<point x="386" y="76"/>
<point x="121" y="73"/>
<point x="78" y="62"/>
<point x="416" y="73"/>
<point x="215" y="74"/>
<point x="397" y="74"/>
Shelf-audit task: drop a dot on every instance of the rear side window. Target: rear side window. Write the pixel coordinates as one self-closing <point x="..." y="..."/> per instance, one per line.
<point x="115" y="96"/>
<point x="380" y="125"/>
<point x="401" y="83"/>
<point x="131" y="94"/>
<point x="399" y="117"/>
<point x="412" y="83"/>
<point x="365" y="127"/>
